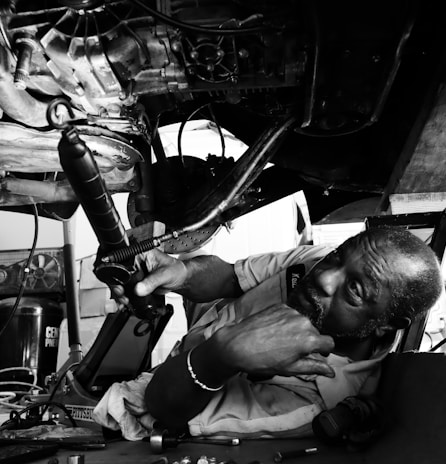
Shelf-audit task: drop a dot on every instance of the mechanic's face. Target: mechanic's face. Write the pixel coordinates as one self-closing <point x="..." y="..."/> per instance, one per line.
<point x="348" y="293"/>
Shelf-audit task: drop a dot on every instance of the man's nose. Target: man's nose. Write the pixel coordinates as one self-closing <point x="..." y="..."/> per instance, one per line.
<point x="329" y="280"/>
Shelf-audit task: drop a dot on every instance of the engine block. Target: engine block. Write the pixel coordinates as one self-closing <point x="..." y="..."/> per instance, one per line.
<point x="103" y="55"/>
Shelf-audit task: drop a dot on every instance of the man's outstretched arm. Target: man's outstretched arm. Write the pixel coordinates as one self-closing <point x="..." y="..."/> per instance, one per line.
<point x="276" y="341"/>
<point x="200" y="279"/>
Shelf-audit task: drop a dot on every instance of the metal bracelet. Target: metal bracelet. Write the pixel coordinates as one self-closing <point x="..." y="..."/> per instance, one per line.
<point x="195" y="379"/>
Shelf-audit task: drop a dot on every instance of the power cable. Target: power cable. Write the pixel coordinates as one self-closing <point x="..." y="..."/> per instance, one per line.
<point x="202" y="30"/>
<point x="26" y="270"/>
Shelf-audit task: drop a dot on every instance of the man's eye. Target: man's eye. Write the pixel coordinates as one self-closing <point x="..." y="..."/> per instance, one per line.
<point x="354" y="289"/>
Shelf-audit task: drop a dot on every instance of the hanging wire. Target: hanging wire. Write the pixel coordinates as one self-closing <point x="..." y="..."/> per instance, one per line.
<point x="181" y="129"/>
<point x="23" y="384"/>
<point x="183" y="124"/>
<point x="25" y="270"/>
<point x="220" y="132"/>
<point x="199" y="29"/>
<point x="7" y="399"/>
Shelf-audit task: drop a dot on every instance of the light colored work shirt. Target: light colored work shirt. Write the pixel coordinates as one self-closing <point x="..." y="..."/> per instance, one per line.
<point x="279" y="406"/>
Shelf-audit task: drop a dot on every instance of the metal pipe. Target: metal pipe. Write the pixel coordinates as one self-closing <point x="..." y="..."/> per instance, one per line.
<point x="310" y="97"/>
<point x="39" y="191"/>
<point x="256" y="157"/>
<point x="18" y="104"/>
<point x="405" y="36"/>
<point x="71" y="290"/>
<point x="26" y="45"/>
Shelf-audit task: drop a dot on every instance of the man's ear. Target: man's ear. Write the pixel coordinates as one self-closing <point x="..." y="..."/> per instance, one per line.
<point x="396" y="323"/>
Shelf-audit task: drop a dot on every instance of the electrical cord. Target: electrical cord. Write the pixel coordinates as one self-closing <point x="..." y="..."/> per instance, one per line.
<point x="15" y="415"/>
<point x="184" y="122"/>
<point x="25" y="270"/>
<point x="34" y="386"/>
<point x="24" y="384"/>
<point x="16" y="421"/>
<point x="57" y="385"/>
<point x="220" y="132"/>
<point x="438" y="345"/>
<point x="181" y="129"/>
<point x="7" y="398"/>
<point x="199" y="29"/>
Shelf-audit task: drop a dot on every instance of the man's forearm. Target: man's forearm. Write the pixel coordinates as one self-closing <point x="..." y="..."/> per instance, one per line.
<point x="209" y="278"/>
<point x="173" y="397"/>
<point x="275" y="341"/>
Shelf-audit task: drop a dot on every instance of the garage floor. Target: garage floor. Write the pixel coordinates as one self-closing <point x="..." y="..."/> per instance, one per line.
<point x="247" y="452"/>
<point x="392" y="450"/>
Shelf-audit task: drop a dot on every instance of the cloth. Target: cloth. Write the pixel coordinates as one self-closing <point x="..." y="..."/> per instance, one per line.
<point x="123" y="408"/>
<point x="279" y="406"/>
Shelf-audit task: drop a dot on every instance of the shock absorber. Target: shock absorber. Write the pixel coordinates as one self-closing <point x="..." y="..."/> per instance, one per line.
<point x="83" y="174"/>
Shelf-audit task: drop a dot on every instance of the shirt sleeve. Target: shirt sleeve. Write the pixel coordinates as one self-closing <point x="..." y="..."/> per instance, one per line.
<point x="259" y="409"/>
<point x="255" y="269"/>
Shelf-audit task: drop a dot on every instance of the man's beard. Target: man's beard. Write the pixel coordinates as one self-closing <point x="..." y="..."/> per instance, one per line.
<point x="317" y="313"/>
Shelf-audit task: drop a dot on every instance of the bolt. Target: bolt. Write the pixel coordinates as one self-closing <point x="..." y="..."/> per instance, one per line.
<point x="79" y="90"/>
<point x="243" y="53"/>
<point x="25" y="48"/>
<point x="113" y="110"/>
<point x="176" y="46"/>
<point x="76" y="459"/>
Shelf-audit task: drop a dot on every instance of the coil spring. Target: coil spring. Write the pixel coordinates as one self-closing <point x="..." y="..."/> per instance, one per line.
<point x="124" y="254"/>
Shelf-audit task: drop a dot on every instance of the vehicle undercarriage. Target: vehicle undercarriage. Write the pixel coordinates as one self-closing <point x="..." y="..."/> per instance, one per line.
<point x="327" y="94"/>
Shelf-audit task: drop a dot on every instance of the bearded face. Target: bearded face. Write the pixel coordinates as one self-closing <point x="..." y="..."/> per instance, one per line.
<point x="348" y="293"/>
<point x="317" y="313"/>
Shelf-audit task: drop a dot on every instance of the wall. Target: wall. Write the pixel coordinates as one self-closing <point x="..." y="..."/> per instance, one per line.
<point x="17" y="231"/>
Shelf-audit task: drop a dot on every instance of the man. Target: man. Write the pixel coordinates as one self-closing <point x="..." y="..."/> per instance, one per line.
<point x="291" y="334"/>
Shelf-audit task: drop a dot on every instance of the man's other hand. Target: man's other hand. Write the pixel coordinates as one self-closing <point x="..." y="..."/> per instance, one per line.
<point x="275" y="341"/>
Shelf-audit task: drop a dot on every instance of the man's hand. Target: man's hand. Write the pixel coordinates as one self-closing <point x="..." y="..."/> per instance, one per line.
<point x="165" y="274"/>
<point x="200" y="279"/>
<point x="275" y="341"/>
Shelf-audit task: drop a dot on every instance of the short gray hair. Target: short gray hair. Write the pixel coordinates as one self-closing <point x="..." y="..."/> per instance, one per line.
<point x="418" y="291"/>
